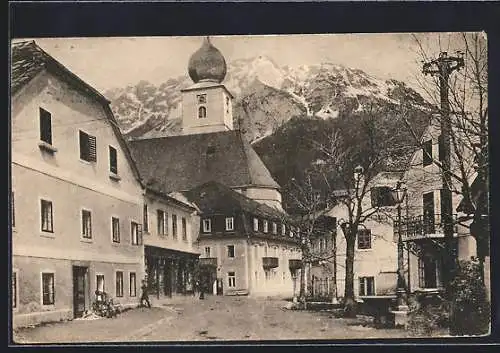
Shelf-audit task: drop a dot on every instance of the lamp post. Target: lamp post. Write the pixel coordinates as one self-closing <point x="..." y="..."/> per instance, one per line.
<point x="400" y="193"/>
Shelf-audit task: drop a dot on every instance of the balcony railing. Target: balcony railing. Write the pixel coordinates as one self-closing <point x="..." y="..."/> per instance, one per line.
<point x="208" y="261"/>
<point x="421" y="227"/>
<point x="270" y="262"/>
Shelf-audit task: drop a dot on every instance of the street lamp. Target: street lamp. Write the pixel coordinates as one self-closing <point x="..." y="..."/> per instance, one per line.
<point x="400" y="193"/>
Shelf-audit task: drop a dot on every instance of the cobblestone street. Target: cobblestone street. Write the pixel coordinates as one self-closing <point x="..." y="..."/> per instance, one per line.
<point x="212" y="319"/>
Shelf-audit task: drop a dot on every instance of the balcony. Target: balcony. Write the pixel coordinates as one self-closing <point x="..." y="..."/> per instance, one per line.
<point x="208" y="261"/>
<point x="420" y="227"/>
<point x="270" y="262"/>
<point x="294" y="265"/>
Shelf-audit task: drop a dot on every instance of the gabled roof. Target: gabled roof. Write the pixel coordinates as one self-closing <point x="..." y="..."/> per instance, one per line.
<point x="180" y="163"/>
<point x="28" y="60"/>
<point x="215" y="198"/>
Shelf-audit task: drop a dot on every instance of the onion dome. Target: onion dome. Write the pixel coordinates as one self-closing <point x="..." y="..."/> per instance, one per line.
<point x="207" y="64"/>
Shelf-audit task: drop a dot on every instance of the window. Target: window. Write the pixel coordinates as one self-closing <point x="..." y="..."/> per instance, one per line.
<point x="275" y="228"/>
<point x="201" y="98"/>
<point x="427" y="153"/>
<point x="184" y="229"/>
<point x="283" y="230"/>
<point x="145" y="219"/>
<point x="364" y="239"/>
<point x="160" y="215"/>
<point x="207" y="251"/>
<point x="174" y="225"/>
<point x="366" y="286"/>
<point x="48" y="289"/>
<point x="229" y="223"/>
<point x="115" y="225"/>
<point x="230" y="251"/>
<point x="47" y="220"/>
<point x="266" y="227"/>
<point x="113" y="163"/>
<point x="88" y="149"/>
<point x="14" y="289"/>
<point x="45" y="126"/>
<point x="227" y="104"/>
<point x="86" y="224"/>
<point x="135" y="233"/>
<point x="255" y="224"/>
<point x="99" y="279"/>
<point x="231" y="278"/>
<point x="382" y="196"/>
<point x="202" y="112"/>
<point x="207" y="225"/>
<point x="132" y="285"/>
<point x="12" y="210"/>
<point x="119" y="284"/>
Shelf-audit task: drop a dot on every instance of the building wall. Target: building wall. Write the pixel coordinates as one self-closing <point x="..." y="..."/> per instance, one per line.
<point x="218" y="117"/>
<point x="168" y="241"/>
<point x="381" y="260"/>
<point x="225" y="264"/>
<point x="422" y="179"/>
<point x="71" y="185"/>
<point x="277" y="281"/>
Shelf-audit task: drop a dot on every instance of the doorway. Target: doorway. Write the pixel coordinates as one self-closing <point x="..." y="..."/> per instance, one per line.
<point x="79" y="290"/>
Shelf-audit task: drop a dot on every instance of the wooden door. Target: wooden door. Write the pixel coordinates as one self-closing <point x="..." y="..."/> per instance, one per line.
<point x="79" y="290"/>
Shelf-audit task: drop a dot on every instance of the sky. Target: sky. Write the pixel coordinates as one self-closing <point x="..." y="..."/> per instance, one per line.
<point x="107" y="63"/>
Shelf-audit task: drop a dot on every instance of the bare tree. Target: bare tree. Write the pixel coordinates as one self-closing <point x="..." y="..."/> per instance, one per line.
<point x="350" y="159"/>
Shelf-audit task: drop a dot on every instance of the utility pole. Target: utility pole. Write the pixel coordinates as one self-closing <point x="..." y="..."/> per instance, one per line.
<point x="443" y="66"/>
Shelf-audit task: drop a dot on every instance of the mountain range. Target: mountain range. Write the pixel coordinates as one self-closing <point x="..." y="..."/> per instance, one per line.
<point x="267" y="96"/>
<point x="281" y="110"/>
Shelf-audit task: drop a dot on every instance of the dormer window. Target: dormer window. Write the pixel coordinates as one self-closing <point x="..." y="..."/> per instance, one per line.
<point x="201" y="98"/>
<point x="266" y="228"/>
<point x="256" y="224"/>
<point x="202" y="112"/>
<point x="283" y="229"/>
<point x="275" y="228"/>
<point x="229" y="223"/>
<point x="207" y="225"/>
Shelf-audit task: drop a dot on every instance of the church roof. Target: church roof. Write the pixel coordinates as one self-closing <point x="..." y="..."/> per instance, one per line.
<point x="180" y="163"/>
<point x="213" y="197"/>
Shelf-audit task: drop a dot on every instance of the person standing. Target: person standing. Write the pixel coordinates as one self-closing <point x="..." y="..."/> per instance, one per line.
<point x="145" y="295"/>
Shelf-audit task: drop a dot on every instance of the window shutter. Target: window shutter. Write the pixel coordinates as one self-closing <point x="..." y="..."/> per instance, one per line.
<point x="113" y="166"/>
<point x="92" y="148"/>
<point x="45" y="126"/>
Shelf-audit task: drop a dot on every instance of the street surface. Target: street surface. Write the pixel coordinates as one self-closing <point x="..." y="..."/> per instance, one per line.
<point x="212" y="319"/>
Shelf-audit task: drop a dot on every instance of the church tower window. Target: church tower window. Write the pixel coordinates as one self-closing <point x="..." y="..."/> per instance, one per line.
<point x="202" y="98"/>
<point x="202" y="112"/>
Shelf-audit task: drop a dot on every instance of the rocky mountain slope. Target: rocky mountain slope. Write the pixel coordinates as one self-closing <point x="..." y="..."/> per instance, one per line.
<point x="267" y="96"/>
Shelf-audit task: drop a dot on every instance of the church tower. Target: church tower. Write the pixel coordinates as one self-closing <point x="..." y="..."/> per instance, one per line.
<point x="207" y="104"/>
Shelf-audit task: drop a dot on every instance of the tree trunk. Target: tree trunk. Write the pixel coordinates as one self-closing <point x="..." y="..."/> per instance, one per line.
<point x="349" y="302"/>
<point x="302" y="291"/>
